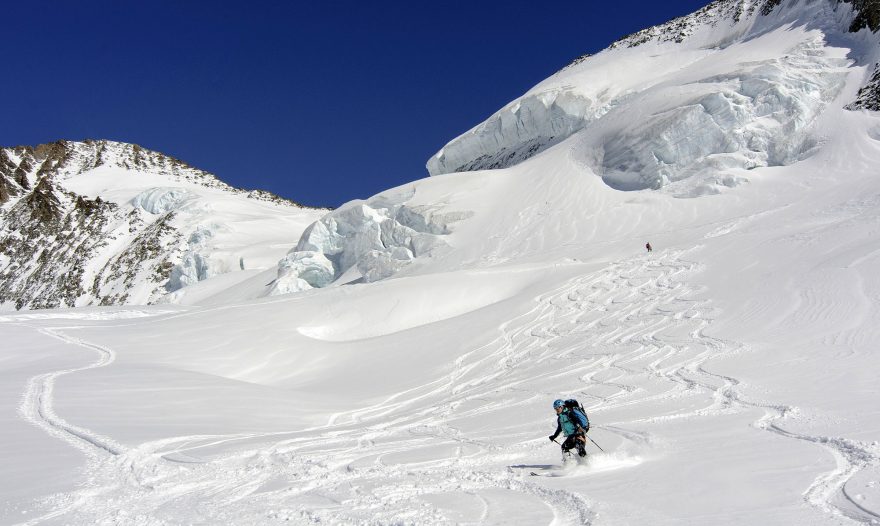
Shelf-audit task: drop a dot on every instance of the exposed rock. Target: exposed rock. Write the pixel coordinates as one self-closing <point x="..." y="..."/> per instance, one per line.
<point x="48" y="239"/>
<point x="867" y="15"/>
<point x="146" y="258"/>
<point x="769" y="5"/>
<point x="43" y="203"/>
<point x="578" y="60"/>
<point x="20" y="174"/>
<point x="8" y="187"/>
<point x="263" y="195"/>
<point x="868" y="97"/>
<point x="679" y="29"/>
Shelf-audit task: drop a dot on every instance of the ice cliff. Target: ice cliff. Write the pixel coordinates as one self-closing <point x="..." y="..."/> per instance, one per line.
<point x="363" y="241"/>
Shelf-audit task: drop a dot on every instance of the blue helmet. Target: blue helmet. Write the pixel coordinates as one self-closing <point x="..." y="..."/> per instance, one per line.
<point x="558" y="403"/>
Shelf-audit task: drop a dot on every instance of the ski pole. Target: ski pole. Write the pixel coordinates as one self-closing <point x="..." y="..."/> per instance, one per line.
<point x="597" y="445"/>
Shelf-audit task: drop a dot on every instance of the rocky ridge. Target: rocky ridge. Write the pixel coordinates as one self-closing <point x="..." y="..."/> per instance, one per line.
<point x="868" y="97"/>
<point x="679" y="29"/>
<point x="62" y="249"/>
<point x="866" y="15"/>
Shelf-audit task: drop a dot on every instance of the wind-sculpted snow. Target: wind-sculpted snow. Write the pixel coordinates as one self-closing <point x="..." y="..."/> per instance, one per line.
<point x="373" y="239"/>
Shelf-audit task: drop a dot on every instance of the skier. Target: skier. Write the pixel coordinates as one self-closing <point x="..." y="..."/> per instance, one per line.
<point x="648" y="247"/>
<point x="570" y="422"/>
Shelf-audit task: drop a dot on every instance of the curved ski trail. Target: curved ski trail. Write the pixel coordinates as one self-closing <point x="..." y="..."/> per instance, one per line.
<point x="625" y="337"/>
<point x="37" y="404"/>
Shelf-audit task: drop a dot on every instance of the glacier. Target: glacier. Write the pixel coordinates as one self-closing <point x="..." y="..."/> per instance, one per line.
<point x="725" y="95"/>
<point x="689" y="118"/>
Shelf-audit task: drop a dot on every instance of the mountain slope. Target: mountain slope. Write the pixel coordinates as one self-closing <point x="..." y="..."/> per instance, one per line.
<point x="105" y="223"/>
<point x="689" y="108"/>
<point x="586" y="93"/>
<point x="730" y="374"/>
<point x="740" y="352"/>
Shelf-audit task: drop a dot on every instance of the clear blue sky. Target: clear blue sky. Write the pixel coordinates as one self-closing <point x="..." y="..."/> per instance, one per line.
<point x="320" y="102"/>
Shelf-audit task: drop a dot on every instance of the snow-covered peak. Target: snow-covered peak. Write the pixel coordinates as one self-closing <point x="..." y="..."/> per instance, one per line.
<point x="102" y="222"/>
<point x="738" y="76"/>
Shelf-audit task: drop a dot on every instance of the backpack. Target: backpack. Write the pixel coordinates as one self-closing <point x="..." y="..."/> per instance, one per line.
<point x="580" y="415"/>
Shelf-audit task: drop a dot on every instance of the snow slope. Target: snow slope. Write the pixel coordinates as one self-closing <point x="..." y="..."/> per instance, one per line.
<point x="689" y="118"/>
<point x="721" y="89"/>
<point x="730" y="375"/>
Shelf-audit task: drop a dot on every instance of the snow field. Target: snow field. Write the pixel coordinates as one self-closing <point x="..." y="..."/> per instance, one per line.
<point x="628" y="340"/>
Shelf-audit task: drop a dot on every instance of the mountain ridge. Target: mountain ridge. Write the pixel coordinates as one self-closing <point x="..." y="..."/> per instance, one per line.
<point x="67" y="158"/>
<point x="65" y="246"/>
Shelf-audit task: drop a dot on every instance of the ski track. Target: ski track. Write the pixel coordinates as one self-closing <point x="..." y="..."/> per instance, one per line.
<point x="37" y="403"/>
<point x="626" y="336"/>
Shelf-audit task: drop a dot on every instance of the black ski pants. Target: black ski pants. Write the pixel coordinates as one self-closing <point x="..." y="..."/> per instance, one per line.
<point x="575" y="441"/>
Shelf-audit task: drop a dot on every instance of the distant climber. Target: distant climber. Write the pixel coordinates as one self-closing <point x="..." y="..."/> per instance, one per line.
<point x="648" y="247"/>
<point x="572" y="422"/>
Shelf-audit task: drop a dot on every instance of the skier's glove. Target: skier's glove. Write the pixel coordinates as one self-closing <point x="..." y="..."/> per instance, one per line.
<point x="552" y="438"/>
